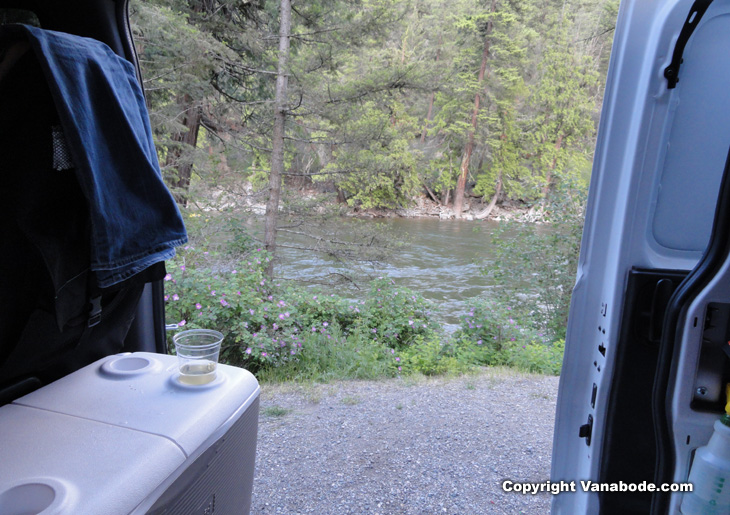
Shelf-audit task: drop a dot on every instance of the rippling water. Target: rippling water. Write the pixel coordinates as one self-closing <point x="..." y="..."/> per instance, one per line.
<point x="442" y="262"/>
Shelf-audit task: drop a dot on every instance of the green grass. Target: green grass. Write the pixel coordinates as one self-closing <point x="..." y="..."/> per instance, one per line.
<point x="339" y="358"/>
<point x="351" y="400"/>
<point x="275" y="411"/>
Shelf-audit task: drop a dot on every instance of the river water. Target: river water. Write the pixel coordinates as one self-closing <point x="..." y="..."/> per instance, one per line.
<point x="442" y="262"/>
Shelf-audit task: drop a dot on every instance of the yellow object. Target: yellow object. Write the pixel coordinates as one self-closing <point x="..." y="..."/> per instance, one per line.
<point x="727" y="396"/>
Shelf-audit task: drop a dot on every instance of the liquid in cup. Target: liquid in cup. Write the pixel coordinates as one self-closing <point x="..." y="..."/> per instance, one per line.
<point x="197" y="354"/>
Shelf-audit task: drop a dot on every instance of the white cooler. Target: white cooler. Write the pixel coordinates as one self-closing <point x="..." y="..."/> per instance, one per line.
<point x="124" y="436"/>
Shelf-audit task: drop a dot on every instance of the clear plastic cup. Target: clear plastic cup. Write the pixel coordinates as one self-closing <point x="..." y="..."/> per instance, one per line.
<point x="197" y="355"/>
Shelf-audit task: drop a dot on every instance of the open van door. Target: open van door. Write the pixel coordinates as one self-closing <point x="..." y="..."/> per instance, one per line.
<point x="646" y="359"/>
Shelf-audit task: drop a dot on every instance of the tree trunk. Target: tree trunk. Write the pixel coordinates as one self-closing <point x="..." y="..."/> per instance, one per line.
<point x="431" y="194"/>
<point x="445" y="197"/>
<point x="175" y="157"/>
<point x="277" y="137"/>
<point x="469" y="147"/>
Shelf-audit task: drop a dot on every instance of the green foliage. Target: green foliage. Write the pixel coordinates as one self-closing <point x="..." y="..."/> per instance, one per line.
<point x="396" y="316"/>
<point x="537" y="357"/>
<point x="324" y="359"/>
<point x="268" y="325"/>
<point x="275" y="411"/>
<point x="562" y="127"/>
<point x="535" y="267"/>
<point x="361" y="76"/>
<point x="432" y="356"/>
<point x="282" y="332"/>
<point x="492" y="334"/>
<point x="381" y="166"/>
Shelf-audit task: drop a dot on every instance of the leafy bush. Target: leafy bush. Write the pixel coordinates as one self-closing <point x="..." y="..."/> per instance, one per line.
<point x="396" y="316"/>
<point x="203" y="292"/>
<point x="433" y="356"/>
<point x="535" y="266"/>
<point x="282" y="332"/>
<point x="537" y="357"/>
<point x="329" y="355"/>
<point x="267" y="325"/>
<point x="490" y="334"/>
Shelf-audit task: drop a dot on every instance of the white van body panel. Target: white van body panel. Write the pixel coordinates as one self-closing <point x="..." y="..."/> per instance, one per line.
<point x="657" y="169"/>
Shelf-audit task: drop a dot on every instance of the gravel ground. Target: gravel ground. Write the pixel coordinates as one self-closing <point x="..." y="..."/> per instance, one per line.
<point x="405" y="446"/>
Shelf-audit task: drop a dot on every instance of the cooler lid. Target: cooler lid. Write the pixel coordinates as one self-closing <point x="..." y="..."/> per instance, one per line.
<point x="140" y="391"/>
<point x="59" y="463"/>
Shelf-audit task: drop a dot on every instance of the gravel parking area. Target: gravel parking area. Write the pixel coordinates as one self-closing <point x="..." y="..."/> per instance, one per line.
<point x="405" y="446"/>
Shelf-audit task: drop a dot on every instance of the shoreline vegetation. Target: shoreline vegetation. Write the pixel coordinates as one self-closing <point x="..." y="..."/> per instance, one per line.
<point x="474" y="210"/>
<point x="422" y="206"/>
<point x="284" y="331"/>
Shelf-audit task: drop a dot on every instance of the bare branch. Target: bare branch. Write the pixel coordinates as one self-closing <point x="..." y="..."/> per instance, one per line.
<point x="336" y="242"/>
<point x="329" y="283"/>
<point x="595" y="36"/>
<point x="331" y="172"/>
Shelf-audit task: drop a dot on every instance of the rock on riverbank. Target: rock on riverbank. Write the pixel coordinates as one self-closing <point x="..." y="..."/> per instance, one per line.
<point x="426" y="208"/>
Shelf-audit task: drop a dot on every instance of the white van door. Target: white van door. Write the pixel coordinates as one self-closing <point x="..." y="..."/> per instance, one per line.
<point x="646" y="358"/>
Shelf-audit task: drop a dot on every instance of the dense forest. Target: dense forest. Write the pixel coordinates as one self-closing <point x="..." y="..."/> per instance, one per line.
<point x="302" y="111"/>
<point x="468" y="103"/>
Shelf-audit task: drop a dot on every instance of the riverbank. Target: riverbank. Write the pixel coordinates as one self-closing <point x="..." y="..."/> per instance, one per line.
<point x="476" y="275"/>
<point x="421" y="207"/>
<point x="424" y="207"/>
<point x="405" y="446"/>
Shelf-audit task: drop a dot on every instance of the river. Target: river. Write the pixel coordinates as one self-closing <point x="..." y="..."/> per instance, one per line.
<point x="442" y="261"/>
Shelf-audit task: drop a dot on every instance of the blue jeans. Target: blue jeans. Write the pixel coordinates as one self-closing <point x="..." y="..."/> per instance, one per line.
<point x="135" y="222"/>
